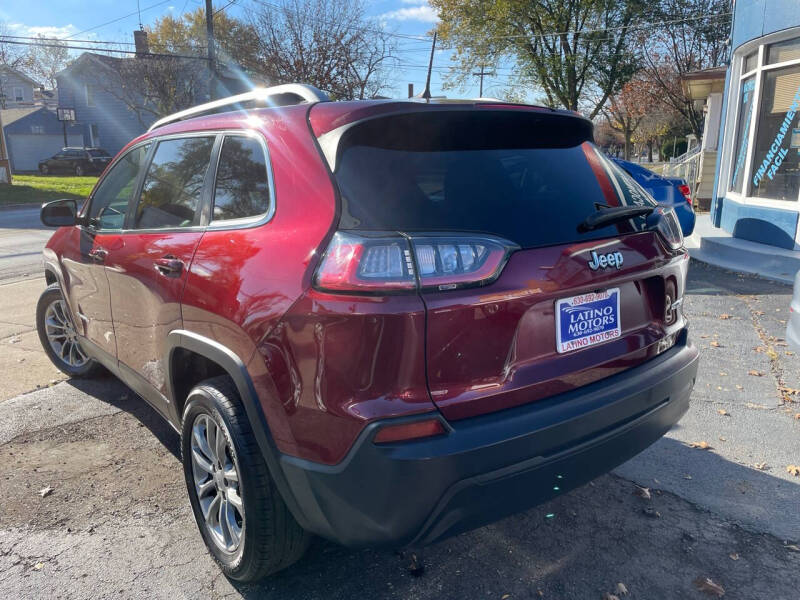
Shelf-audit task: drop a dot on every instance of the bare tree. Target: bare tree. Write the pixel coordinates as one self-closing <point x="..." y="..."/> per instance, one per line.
<point x="327" y="43"/>
<point x="15" y="56"/>
<point x="47" y="57"/>
<point x="692" y="36"/>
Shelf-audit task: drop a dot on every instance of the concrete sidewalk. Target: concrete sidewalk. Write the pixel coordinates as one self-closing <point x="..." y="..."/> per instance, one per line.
<point x="717" y="247"/>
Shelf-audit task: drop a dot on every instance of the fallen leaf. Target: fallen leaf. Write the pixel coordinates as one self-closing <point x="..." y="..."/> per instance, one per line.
<point x="722" y="438"/>
<point x="793" y="470"/>
<point x="46" y="491"/>
<point x="755" y="373"/>
<point x="505" y="596"/>
<point x="724" y="316"/>
<point x="651" y="512"/>
<point x="642" y="492"/>
<point x="719" y="387"/>
<point x="687" y="476"/>
<point x="723" y="374"/>
<point x="734" y="555"/>
<point x="739" y="387"/>
<point x="758" y="348"/>
<point x="704" y="337"/>
<point x="758" y="312"/>
<point x="38" y="566"/>
<point x="608" y="596"/>
<point x="797" y="416"/>
<point x="789" y="353"/>
<point x="791" y="391"/>
<point x="621" y="589"/>
<point x="761" y="466"/>
<point x="709" y="588"/>
<point x="792" y="547"/>
<point x="723" y="412"/>
<point x="703" y="445"/>
<point x="715" y="344"/>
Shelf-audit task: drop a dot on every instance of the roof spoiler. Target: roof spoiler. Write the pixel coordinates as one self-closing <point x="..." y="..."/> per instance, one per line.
<point x="289" y="93"/>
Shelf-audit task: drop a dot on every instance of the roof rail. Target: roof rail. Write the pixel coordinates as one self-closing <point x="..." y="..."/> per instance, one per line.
<point x="305" y="93"/>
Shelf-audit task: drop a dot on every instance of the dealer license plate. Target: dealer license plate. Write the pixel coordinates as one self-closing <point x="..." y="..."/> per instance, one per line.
<point x="586" y="320"/>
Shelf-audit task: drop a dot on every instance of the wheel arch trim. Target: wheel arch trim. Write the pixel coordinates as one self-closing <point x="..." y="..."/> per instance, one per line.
<point x="230" y="362"/>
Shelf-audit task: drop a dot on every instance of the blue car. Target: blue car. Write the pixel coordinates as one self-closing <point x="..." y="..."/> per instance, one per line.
<point x="669" y="191"/>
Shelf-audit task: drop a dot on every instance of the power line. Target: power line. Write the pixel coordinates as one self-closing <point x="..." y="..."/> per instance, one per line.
<point x="37" y="39"/>
<point x="134" y="13"/>
<point x="95" y="49"/>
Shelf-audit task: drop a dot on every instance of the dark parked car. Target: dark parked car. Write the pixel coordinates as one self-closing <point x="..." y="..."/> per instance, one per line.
<point x="79" y="161"/>
<point x="384" y="323"/>
<point x="672" y="192"/>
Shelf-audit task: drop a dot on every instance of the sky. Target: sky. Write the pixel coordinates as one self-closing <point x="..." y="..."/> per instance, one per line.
<point x="115" y="20"/>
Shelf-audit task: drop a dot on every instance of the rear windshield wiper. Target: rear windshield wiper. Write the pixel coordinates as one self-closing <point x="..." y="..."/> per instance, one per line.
<point x="611" y="215"/>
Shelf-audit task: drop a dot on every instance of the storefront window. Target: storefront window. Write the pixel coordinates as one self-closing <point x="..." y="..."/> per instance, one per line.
<point x="783" y="51"/>
<point x="776" y="158"/>
<point x="742" y="132"/>
<point x="750" y="62"/>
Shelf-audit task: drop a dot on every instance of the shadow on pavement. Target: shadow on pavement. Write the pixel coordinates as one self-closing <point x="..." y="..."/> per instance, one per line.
<point x="111" y="390"/>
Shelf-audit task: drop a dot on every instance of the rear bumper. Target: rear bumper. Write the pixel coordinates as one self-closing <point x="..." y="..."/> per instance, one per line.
<point x="490" y="466"/>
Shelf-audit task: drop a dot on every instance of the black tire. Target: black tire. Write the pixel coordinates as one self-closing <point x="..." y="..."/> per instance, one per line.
<point x="79" y="170"/>
<point x="51" y="295"/>
<point x="44" y="169"/>
<point x="271" y="539"/>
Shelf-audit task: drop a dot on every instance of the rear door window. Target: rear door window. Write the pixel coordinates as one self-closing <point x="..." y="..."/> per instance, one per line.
<point x="517" y="176"/>
<point x="173" y="187"/>
<point x="242" y="187"/>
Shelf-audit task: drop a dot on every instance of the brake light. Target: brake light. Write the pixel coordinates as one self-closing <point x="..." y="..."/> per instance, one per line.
<point x="687" y="192"/>
<point x="664" y="220"/>
<point x="409" y="431"/>
<point x="392" y="261"/>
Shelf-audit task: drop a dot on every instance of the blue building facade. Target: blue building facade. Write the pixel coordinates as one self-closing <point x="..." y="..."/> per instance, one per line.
<point x="757" y="185"/>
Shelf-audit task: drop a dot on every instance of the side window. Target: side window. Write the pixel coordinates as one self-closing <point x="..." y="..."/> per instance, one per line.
<point x="110" y="200"/>
<point x="173" y="187"/>
<point x="242" y="186"/>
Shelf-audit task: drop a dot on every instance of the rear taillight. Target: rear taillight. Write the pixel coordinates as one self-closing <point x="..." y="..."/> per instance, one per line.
<point x="663" y="220"/>
<point x="687" y="192"/>
<point x="391" y="261"/>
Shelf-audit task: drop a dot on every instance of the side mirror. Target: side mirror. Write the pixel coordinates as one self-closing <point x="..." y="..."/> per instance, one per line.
<point x="59" y="213"/>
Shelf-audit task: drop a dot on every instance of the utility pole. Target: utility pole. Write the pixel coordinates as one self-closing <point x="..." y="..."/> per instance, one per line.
<point x="480" y="74"/>
<point x="427" y="93"/>
<point x="212" y="55"/>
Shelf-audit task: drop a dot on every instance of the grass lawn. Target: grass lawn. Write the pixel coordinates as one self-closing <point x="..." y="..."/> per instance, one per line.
<point x="35" y="189"/>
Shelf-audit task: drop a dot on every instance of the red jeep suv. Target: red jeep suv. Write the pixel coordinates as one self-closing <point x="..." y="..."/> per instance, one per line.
<point x="380" y="322"/>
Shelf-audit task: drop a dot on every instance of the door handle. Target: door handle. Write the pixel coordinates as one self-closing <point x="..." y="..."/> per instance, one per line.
<point x="169" y="266"/>
<point x="98" y="254"/>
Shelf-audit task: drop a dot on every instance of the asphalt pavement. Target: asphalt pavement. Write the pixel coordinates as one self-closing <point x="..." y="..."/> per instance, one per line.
<point x="22" y="237"/>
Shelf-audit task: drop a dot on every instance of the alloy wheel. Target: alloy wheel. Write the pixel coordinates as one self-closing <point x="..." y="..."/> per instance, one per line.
<point x="62" y="337"/>
<point x="216" y="483"/>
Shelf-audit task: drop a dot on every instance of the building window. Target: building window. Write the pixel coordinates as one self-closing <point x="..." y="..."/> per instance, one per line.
<point x="764" y="148"/>
<point x="776" y="164"/>
<point x="37" y="129"/>
<point x="94" y="134"/>
<point x="89" y="95"/>
<point x="742" y="132"/>
<point x="19" y="96"/>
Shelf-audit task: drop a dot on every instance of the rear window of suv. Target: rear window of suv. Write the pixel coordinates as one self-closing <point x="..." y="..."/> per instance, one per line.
<point x="525" y="176"/>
